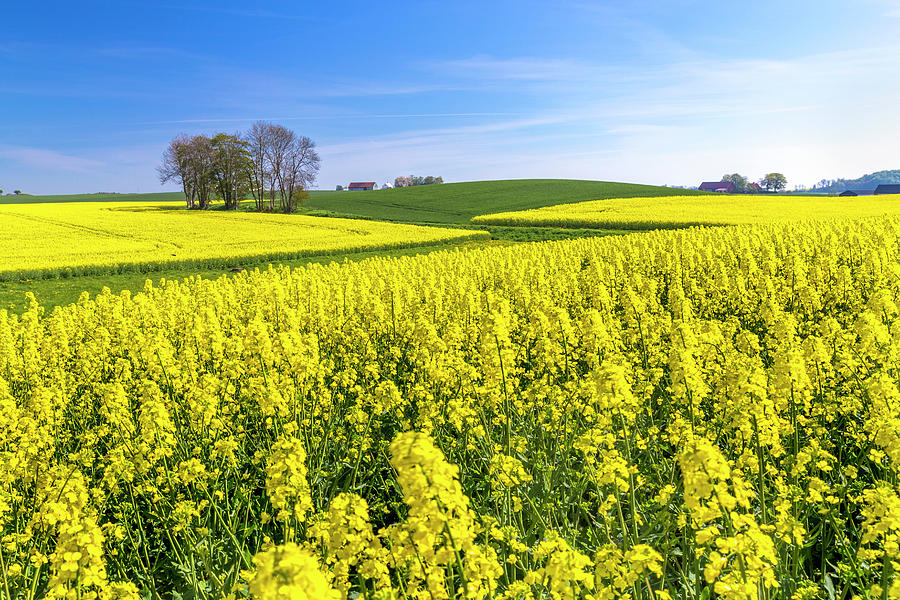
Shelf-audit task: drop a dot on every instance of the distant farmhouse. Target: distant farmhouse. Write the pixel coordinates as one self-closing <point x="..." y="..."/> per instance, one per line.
<point x="857" y="193"/>
<point x="723" y="187"/>
<point x="892" y="188"/>
<point x="361" y="185"/>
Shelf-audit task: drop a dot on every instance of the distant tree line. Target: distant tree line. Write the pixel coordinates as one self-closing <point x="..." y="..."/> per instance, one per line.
<point x="412" y="180"/>
<point x="270" y="164"/>
<point x="866" y="182"/>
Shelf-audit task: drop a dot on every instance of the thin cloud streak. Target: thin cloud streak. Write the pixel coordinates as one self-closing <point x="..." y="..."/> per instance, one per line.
<point x="49" y="159"/>
<point x="333" y="117"/>
<point x="254" y="13"/>
<point x="439" y="136"/>
<point x="518" y="69"/>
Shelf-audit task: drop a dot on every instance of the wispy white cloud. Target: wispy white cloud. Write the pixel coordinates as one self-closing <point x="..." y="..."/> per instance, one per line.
<point x="256" y="13"/>
<point x="640" y="37"/>
<point x="891" y="7"/>
<point x="50" y="160"/>
<point x="334" y="117"/>
<point x="812" y="116"/>
<point x="677" y="119"/>
<point x="518" y="69"/>
<point x="141" y="52"/>
<point x="443" y="136"/>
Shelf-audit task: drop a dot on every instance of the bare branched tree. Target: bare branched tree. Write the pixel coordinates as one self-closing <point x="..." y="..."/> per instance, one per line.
<point x="260" y="176"/>
<point x="231" y="164"/>
<point x="176" y="167"/>
<point x="299" y="170"/>
<point x="280" y="140"/>
<point x="200" y="160"/>
<point x="269" y="161"/>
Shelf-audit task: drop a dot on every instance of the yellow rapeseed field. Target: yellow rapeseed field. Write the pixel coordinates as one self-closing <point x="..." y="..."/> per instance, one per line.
<point x="707" y="413"/>
<point x="672" y="212"/>
<point x="99" y="237"/>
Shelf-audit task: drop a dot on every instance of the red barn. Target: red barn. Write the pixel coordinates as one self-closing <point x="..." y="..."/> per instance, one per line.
<point x="361" y="185"/>
<point x="725" y="187"/>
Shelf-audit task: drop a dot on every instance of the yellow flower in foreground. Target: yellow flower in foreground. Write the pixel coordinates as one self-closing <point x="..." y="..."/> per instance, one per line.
<point x="289" y="572"/>
<point x="286" y="481"/>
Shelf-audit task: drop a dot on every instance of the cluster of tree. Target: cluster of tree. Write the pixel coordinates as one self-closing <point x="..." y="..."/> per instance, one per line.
<point x="772" y="182"/>
<point x="416" y="180"/>
<point x="269" y="163"/>
<point x="866" y="182"/>
<point x="741" y="183"/>
<point x="16" y="192"/>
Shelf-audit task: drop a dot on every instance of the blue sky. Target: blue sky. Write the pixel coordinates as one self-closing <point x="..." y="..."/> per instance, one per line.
<point x="664" y="92"/>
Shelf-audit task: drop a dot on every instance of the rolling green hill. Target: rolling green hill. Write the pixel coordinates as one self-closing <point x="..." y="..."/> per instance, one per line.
<point x="459" y="202"/>
<point x="448" y="203"/>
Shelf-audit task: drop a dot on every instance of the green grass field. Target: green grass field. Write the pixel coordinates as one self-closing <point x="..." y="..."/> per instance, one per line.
<point x="459" y="202"/>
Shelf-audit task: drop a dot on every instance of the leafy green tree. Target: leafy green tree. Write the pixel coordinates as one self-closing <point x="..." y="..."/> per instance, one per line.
<point x="773" y="182"/>
<point x="740" y="182"/>
<point x="230" y="167"/>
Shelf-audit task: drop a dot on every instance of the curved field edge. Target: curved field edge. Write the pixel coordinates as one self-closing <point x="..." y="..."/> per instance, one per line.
<point x="150" y="267"/>
<point x="679" y="212"/>
<point x="51" y="293"/>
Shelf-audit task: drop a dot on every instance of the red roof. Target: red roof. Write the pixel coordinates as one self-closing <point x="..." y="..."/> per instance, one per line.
<point x="361" y="184"/>
<point x="715" y="186"/>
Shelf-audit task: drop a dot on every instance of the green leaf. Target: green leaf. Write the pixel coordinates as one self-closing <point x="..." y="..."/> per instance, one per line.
<point x="829" y="586"/>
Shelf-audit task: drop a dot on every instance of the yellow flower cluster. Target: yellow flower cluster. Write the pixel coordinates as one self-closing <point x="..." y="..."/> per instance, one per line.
<point x="440" y="531"/>
<point x="286" y="481"/>
<point x="684" y="211"/>
<point x="708" y="413"/>
<point x="289" y="572"/>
